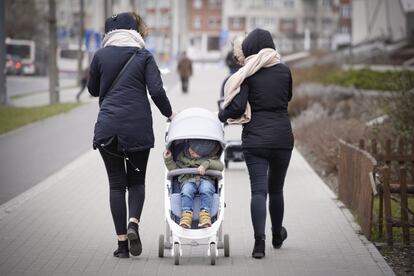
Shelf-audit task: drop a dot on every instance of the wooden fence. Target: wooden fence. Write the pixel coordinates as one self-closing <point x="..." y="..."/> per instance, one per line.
<point x="395" y="183"/>
<point x="356" y="185"/>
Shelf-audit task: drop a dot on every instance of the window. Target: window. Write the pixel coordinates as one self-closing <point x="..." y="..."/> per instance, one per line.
<point x="326" y="3"/>
<point x="263" y="22"/>
<point x="326" y="25"/>
<point x="197" y="22"/>
<point x="287" y="25"/>
<point x="309" y="22"/>
<point x="197" y="4"/>
<point x="214" y="4"/>
<point x="344" y="29"/>
<point x="345" y="11"/>
<point x="164" y="20"/>
<point x="236" y="23"/>
<point x="256" y="4"/>
<point x="214" y="22"/>
<point x="289" y="4"/>
<point x="269" y="3"/>
<point x="213" y="43"/>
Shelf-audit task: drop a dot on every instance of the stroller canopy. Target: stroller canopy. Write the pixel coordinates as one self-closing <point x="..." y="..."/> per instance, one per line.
<point x="195" y="123"/>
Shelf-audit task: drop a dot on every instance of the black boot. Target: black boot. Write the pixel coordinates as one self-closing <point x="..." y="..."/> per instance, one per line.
<point x="258" y="249"/>
<point x="134" y="240"/>
<point x="122" y="251"/>
<point x="278" y="238"/>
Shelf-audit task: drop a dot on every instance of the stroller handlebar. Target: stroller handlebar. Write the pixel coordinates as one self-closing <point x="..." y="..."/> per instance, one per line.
<point x="176" y="172"/>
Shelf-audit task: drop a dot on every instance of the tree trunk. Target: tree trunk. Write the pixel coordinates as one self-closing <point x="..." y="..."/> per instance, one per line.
<point x="53" y="70"/>
<point x="81" y="34"/>
<point x="3" y="91"/>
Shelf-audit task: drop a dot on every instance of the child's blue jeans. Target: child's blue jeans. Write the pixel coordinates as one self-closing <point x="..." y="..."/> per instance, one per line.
<point x="189" y="189"/>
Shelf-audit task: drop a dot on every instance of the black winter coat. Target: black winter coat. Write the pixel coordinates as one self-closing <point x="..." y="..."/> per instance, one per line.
<point x="125" y="111"/>
<point x="268" y="91"/>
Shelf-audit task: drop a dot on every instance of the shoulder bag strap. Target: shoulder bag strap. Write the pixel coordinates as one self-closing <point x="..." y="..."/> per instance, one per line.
<point x="120" y="73"/>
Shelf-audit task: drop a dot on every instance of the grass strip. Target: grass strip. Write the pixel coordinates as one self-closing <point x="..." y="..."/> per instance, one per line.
<point x="15" y="117"/>
<point x="361" y="79"/>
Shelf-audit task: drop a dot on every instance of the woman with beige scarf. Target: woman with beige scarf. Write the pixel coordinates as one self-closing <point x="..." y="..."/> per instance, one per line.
<point x="257" y="97"/>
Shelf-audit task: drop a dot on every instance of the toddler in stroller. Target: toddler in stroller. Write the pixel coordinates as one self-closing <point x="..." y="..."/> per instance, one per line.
<point x="194" y="184"/>
<point x="200" y="154"/>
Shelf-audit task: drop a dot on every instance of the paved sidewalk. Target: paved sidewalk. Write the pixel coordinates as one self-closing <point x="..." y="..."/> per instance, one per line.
<point x="63" y="225"/>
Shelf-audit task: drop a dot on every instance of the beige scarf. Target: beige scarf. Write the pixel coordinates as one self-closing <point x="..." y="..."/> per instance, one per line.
<point x="123" y="38"/>
<point x="265" y="58"/>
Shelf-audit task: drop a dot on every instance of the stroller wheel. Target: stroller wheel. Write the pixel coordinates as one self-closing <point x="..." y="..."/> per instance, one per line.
<point x="161" y="246"/>
<point x="226" y="245"/>
<point x="176" y="253"/>
<point x="213" y="253"/>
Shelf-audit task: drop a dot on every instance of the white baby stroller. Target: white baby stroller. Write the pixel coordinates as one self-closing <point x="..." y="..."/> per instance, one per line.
<point x="193" y="123"/>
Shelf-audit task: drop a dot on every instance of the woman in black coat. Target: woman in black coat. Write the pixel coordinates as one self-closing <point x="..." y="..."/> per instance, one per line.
<point x="267" y="138"/>
<point x="123" y="131"/>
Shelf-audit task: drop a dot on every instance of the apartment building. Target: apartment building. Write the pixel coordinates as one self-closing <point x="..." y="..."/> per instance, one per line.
<point x="159" y="16"/>
<point x="203" y="27"/>
<point x="287" y="20"/>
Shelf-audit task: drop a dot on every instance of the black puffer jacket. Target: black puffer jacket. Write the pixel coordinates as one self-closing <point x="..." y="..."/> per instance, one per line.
<point x="268" y="91"/>
<point x="125" y="111"/>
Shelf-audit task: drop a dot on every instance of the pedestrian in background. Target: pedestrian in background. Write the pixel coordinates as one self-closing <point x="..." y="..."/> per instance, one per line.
<point x="185" y="70"/>
<point x="84" y="82"/>
<point x="257" y="96"/>
<point x="123" y="131"/>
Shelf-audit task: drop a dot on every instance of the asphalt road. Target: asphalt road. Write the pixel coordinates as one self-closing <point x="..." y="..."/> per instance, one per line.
<point x="32" y="153"/>
<point x="24" y="85"/>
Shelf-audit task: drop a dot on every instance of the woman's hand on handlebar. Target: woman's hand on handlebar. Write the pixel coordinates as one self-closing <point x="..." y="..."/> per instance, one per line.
<point x="201" y="170"/>
<point x="172" y="116"/>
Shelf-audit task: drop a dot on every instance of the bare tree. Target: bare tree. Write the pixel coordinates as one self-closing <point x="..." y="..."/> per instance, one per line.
<point x="53" y="71"/>
<point x="22" y="19"/>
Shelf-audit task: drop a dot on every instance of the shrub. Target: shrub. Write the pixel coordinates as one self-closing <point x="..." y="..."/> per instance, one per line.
<point x="319" y="141"/>
<point x="401" y="109"/>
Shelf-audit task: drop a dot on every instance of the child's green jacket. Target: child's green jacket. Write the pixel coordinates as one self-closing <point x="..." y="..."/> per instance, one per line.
<point x="212" y="163"/>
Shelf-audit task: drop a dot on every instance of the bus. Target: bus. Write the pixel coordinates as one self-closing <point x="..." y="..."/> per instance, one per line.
<point x="25" y="51"/>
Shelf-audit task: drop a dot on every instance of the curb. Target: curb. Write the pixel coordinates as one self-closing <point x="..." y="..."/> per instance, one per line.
<point x="372" y="250"/>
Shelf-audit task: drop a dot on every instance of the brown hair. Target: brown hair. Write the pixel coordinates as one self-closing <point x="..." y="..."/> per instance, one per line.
<point x="142" y="27"/>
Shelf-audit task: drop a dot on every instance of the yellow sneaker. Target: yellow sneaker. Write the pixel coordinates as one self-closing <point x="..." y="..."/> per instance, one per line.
<point x="186" y="219"/>
<point x="204" y="219"/>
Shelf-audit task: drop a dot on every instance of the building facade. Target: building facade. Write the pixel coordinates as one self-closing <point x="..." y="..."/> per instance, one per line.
<point x="289" y="21"/>
<point x="203" y="26"/>
<point x="373" y="20"/>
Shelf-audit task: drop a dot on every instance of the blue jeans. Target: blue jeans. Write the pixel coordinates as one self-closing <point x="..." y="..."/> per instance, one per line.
<point x="205" y="189"/>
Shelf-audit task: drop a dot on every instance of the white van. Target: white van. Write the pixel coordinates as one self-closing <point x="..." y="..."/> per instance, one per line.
<point x="25" y="51"/>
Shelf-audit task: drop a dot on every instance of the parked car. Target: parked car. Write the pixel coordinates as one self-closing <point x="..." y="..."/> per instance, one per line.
<point x="13" y="65"/>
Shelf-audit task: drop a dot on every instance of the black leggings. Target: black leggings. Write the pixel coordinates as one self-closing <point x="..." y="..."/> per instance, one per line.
<point x="122" y="175"/>
<point x="267" y="171"/>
